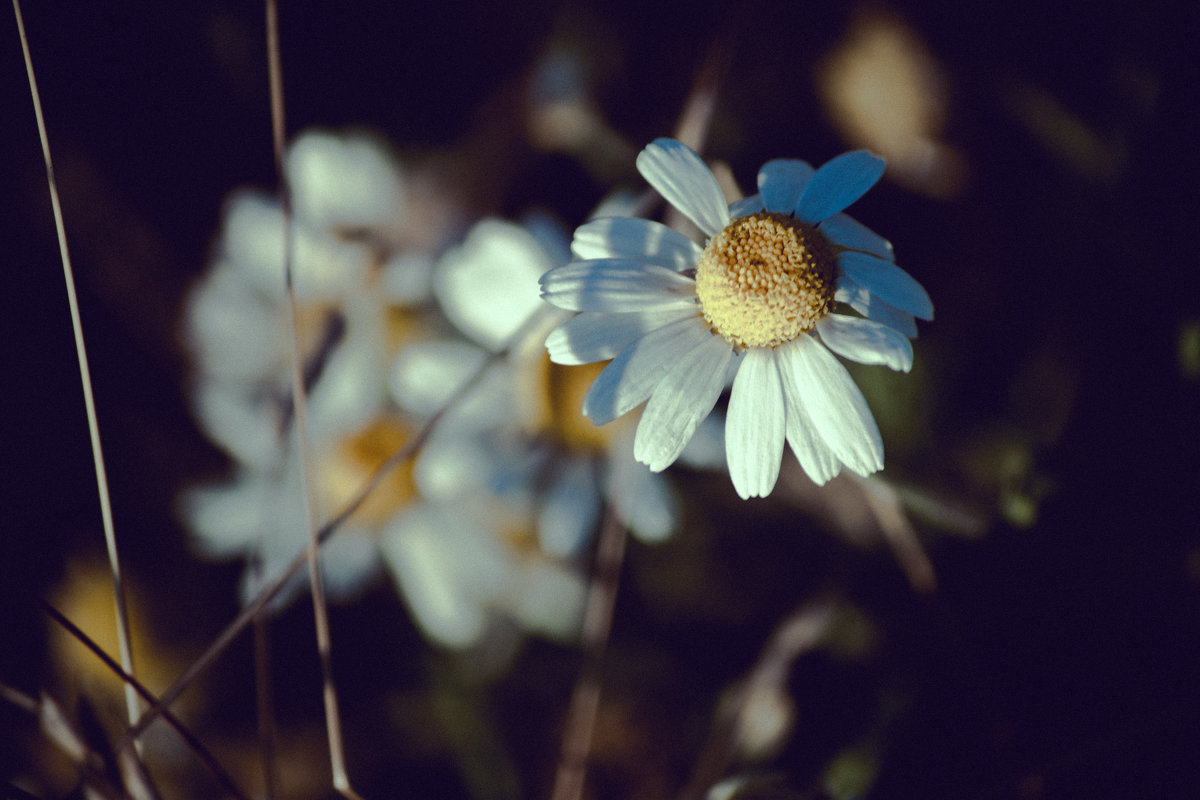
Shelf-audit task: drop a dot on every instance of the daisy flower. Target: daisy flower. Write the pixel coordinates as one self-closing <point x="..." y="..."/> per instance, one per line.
<point x="783" y="279"/>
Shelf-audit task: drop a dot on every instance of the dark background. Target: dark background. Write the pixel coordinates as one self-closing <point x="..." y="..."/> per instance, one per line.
<point x="1058" y="656"/>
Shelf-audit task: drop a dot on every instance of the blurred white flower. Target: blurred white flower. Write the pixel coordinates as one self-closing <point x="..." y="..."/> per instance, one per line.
<point x="259" y="514"/>
<point x="780" y="269"/>
<point x="467" y="567"/>
<point x="350" y="286"/>
<point x="520" y="430"/>
<point x="355" y="286"/>
<point x="469" y="575"/>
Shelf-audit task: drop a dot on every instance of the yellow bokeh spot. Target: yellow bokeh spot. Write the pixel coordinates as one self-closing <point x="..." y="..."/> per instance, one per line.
<point x="556" y="395"/>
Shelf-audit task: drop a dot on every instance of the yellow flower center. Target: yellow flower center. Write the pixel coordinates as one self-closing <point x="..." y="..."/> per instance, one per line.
<point x="765" y="279"/>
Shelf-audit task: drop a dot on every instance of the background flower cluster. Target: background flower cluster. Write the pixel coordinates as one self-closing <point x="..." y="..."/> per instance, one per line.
<point x="1009" y="611"/>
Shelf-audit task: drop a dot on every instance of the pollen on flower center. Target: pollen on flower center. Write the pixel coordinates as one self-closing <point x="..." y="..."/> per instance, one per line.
<point x="765" y="279"/>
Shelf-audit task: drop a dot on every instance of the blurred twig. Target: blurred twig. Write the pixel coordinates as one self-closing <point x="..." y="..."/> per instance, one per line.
<point x="803" y="630"/>
<point x="134" y="685"/>
<point x="333" y="724"/>
<point x="597" y="625"/>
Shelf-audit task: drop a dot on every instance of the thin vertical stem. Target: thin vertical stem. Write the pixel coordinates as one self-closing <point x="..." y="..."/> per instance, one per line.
<point x="110" y="536"/>
<point x="265" y="707"/>
<point x="597" y="625"/>
<point x="341" y="781"/>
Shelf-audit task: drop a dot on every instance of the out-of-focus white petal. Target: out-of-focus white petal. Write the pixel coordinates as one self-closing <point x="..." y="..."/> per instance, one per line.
<point x="845" y="231"/>
<point x="754" y="425"/>
<point x="686" y="395"/>
<point x="569" y="509"/>
<point x="226" y="520"/>
<point x="550" y="234"/>
<point x="424" y="573"/>
<point x="406" y="278"/>
<point x="426" y="375"/>
<point x="834" y="403"/>
<point x="888" y="282"/>
<point x="343" y="180"/>
<point x="706" y="448"/>
<point x="323" y="266"/>
<point x="597" y="336"/>
<point x="352" y="386"/>
<point x="446" y="567"/>
<point x="616" y="285"/>
<point x="235" y="334"/>
<point x="686" y="182"/>
<point x="642" y="500"/>
<point x="242" y="422"/>
<point x="628" y="381"/>
<point x="865" y="341"/>
<point x="488" y="286"/>
<point x="549" y="599"/>
<point x="838" y="183"/>
<point x="637" y="240"/>
<point x="348" y="562"/>
<point x="451" y="463"/>
<point x="780" y="182"/>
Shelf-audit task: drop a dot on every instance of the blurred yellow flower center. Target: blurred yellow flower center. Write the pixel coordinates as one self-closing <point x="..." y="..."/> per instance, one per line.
<point x="765" y="279"/>
<point x="558" y="398"/>
<point x="354" y="460"/>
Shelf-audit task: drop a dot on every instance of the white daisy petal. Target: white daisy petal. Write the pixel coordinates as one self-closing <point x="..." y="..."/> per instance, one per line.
<point x="838" y="183"/>
<point x="686" y="182"/>
<point x="815" y="456"/>
<point x="865" y="341"/>
<point x="747" y="206"/>
<point x="754" y="425"/>
<point x="834" y="403"/>
<point x="628" y="381"/>
<point x="636" y="239"/>
<point x="596" y="336"/>
<point x="893" y="317"/>
<point x="780" y="181"/>
<point x="873" y="308"/>
<point x="888" y="282"/>
<point x="616" y="285"/>
<point x="685" y="396"/>
<point x="845" y="231"/>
